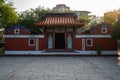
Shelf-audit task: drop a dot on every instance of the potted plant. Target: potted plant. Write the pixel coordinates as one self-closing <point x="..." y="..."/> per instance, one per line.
<point x="98" y="48"/>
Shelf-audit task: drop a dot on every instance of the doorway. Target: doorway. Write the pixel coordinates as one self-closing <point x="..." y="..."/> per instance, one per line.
<point x="59" y="40"/>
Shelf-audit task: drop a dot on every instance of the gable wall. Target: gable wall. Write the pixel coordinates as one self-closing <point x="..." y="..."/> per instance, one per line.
<point x="99" y="30"/>
<point x="20" y="30"/>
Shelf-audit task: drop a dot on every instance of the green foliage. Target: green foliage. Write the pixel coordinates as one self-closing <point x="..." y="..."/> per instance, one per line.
<point x="116" y="29"/>
<point x="84" y="18"/>
<point x="94" y="20"/>
<point x="2" y="49"/>
<point x="110" y="17"/>
<point x="1" y="36"/>
<point x="2" y="2"/>
<point x="8" y="16"/>
<point x="98" y="47"/>
<point x="29" y="17"/>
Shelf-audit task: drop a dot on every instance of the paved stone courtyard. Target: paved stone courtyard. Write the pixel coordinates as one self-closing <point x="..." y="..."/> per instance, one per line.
<point x="59" y="68"/>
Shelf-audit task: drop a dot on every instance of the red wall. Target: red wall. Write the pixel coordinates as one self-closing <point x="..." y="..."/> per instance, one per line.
<point x="106" y="44"/>
<point x="21" y="32"/>
<point x="18" y="44"/>
<point x="23" y="44"/>
<point x="78" y="44"/>
<point x="42" y="44"/>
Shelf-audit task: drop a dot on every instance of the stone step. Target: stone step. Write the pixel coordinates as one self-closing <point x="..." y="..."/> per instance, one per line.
<point x="59" y="50"/>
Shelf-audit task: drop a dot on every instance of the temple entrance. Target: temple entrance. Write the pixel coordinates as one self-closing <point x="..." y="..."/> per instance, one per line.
<point x="59" y="40"/>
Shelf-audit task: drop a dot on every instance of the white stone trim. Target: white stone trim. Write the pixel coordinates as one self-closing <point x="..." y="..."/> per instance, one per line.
<point x="24" y="36"/>
<point x="48" y="53"/>
<point x="87" y="52"/>
<point x="37" y="44"/>
<point x="33" y="42"/>
<point x="93" y="36"/>
<point x="22" y="52"/>
<point x="57" y="53"/>
<point x="83" y="44"/>
<point x="104" y="28"/>
<point x="16" y="31"/>
<point x="107" y="52"/>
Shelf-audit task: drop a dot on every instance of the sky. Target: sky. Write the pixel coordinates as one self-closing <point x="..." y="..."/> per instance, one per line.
<point x="96" y="7"/>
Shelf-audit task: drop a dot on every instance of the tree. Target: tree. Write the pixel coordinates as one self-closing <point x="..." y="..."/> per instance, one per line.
<point x="84" y="18"/>
<point x="116" y="29"/>
<point x="8" y="16"/>
<point x="110" y="17"/>
<point x="29" y="17"/>
<point x="2" y="2"/>
<point x="94" y="20"/>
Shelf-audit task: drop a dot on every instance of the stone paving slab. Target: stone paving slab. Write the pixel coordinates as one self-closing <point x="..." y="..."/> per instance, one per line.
<point x="59" y="68"/>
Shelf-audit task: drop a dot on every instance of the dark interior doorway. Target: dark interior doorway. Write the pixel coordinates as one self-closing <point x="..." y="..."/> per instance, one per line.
<point x="59" y="40"/>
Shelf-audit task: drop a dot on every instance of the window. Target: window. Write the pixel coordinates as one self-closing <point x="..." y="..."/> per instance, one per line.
<point x="104" y="30"/>
<point x="89" y="42"/>
<point x="16" y="31"/>
<point x="31" y="42"/>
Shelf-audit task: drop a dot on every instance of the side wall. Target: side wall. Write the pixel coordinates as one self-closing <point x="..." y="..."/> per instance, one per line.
<point x="78" y="43"/>
<point x="42" y="44"/>
<point x="21" y="43"/>
<point x="106" y="43"/>
<point x="18" y="44"/>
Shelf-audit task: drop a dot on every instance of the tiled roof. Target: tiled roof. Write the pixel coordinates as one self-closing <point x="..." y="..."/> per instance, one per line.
<point x="62" y="20"/>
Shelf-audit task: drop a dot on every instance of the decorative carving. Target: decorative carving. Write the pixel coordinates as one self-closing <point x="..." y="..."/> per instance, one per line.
<point x="59" y="29"/>
<point x="50" y="41"/>
<point x="69" y="41"/>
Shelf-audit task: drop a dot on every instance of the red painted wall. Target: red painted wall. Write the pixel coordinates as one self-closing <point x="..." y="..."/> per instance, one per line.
<point x="21" y="32"/>
<point x="42" y="44"/>
<point x="78" y="44"/>
<point x="18" y="44"/>
<point x="106" y="44"/>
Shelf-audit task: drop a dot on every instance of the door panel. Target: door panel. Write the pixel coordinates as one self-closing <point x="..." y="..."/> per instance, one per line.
<point x="59" y="40"/>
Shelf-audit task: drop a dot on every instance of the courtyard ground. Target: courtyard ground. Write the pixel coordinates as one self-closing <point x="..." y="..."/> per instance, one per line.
<point x="59" y="68"/>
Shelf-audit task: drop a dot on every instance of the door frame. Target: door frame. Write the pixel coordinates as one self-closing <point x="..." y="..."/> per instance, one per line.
<point x="83" y="44"/>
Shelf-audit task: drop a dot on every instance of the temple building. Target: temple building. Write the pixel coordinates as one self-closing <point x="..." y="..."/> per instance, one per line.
<point x="82" y="13"/>
<point x="60" y="8"/>
<point x="61" y="33"/>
